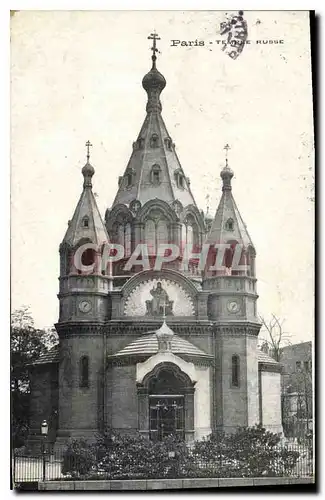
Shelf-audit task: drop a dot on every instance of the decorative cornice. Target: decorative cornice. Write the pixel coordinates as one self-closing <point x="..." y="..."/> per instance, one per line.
<point x="76" y="328"/>
<point x="181" y="327"/>
<point x="224" y="293"/>
<point x="76" y="293"/>
<point x="235" y="329"/>
<point x="140" y="358"/>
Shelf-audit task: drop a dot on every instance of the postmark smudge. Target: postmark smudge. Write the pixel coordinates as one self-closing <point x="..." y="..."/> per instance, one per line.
<point x="236" y="28"/>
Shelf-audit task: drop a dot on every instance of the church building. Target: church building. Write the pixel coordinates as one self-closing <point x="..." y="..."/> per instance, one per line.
<point x="154" y="342"/>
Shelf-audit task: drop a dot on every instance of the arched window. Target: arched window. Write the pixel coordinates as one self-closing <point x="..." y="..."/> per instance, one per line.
<point x="190" y="233"/>
<point x="85" y="222"/>
<point x="150" y="236"/>
<point x="154" y="141"/>
<point x="155" y="175"/>
<point x="180" y="179"/>
<point x="168" y="143"/>
<point x="235" y="370"/>
<point x="120" y="236"/>
<point x="127" y="242"/>
<point x="129" y="177"/>
<point x="183" y="237"/>
<point x="229" y="225"/>
<point x="190" y="236"/>
<point x="128" y="180"/>
<point x="88" y="257"/>
<point x="228" y="258"/>
<point x="84" y="371"/>
<point x="162" y="233"/>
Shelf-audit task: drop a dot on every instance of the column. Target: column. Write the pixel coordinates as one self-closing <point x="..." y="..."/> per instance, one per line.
<point x="143" y="411"/>
<point x="138" y="234"/>
<point x="189" y="413"/>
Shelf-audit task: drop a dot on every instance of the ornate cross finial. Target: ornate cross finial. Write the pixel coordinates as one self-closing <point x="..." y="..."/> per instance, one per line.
<point x="88" y="145"/>
<point x="154" y="36"/>
<point x="226" y="148"/>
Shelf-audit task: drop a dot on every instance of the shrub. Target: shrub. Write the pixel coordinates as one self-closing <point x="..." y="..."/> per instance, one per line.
<point x="134" y="456"/>
<point x="79" y="458"/>
<point x="246" y="453"/>
<point x="251" y="451"/>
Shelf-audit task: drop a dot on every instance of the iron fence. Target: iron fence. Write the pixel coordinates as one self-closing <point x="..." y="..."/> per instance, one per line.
<point x="49" y="466"/>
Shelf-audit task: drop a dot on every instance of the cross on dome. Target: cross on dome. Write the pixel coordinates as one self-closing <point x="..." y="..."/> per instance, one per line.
<point x="154" y="37"/>
<point x="88" y="145"/>
<point x="226" y="148"/>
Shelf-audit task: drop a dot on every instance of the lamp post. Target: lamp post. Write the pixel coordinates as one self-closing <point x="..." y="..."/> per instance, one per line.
<point x="44" y="432"/>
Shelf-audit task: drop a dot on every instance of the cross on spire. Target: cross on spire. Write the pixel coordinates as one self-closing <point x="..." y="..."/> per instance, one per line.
<point x="226" y="148"/>
<point x="154" y="37"/>
<point x="88" y="145"/>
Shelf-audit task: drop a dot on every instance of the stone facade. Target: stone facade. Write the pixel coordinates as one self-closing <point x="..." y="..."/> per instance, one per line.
<point x="297" y="388"/>
<point x="172" y="349"/>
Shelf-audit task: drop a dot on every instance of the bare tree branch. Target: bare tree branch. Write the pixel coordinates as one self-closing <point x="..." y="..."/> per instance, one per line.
<point x="276" y="338"/>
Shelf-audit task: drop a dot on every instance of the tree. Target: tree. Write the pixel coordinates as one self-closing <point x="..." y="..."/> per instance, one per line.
<point x="27" y="343"/>
<point x="275" y="337"/>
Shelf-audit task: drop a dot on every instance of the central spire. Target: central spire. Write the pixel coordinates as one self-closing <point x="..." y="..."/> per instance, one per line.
<point x="153" y="82"/>
<point x="154" y="170"/>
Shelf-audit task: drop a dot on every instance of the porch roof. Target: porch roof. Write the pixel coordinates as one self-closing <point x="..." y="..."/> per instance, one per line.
<point x="148" y="344"/>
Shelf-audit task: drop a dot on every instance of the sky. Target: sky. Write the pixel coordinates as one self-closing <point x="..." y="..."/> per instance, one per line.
<point x="76" y="75"/>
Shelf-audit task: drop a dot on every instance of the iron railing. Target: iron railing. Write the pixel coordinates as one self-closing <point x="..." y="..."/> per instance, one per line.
<point x="49" y="466"/>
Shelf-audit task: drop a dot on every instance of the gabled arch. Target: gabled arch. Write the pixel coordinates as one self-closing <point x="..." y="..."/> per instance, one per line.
<point x="180" y="376"/>
<point x="88" y="257"/>
<point x="177" y="207"/>
<point x="81" y="242"/>
<point x="196" y="214"/>
<point x="120" y="214"/>
<point x="169" y="274"/>
<point x="156" y="204"/>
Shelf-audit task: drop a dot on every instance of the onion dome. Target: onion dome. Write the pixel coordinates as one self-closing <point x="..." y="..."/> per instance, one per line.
<point x="226" y="175"/>
<point x="87" y="171"/>
<point x="153" y="82"/>
<point x="154" y="79"/>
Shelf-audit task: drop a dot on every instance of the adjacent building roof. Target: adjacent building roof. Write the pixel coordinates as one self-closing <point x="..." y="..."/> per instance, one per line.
<point x="51" y="356"/>
<point x="264" y="358"/>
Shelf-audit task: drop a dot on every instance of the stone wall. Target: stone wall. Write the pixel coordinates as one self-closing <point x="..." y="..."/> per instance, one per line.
<point x="271" y="401"/>
<point x="172" y="484"/>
